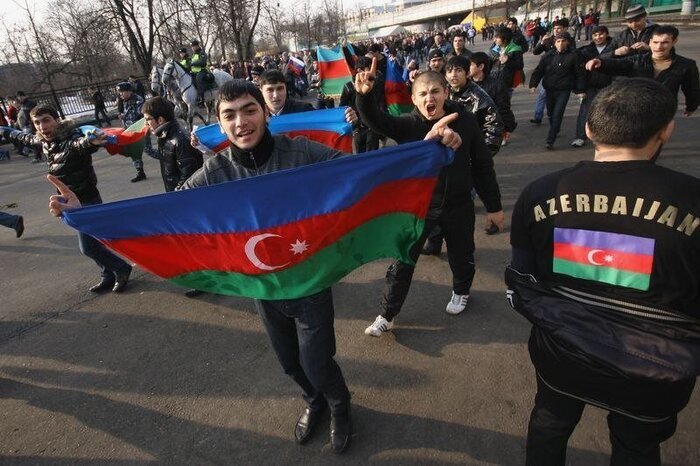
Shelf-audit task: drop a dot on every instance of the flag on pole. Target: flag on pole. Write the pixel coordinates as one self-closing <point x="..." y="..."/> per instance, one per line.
<point x="398" y="99"/>
<point x="317" y="231"/>
<point x="327" y="126"/>
<point x="333" y="70"/>
<point x="128" y="142"/>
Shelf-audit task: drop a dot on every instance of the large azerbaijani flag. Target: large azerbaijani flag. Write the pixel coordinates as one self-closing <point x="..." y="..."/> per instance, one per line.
<point x="327" y="126"/>
<point x="283" y="235"/>
<point x="398" y="99"/>
<point x="613" y="258"/>
<point x="129" y="142"/>
<point x="333" y="70"/>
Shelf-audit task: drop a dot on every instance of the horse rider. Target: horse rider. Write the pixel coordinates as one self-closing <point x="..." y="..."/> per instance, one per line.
<point x="184" y="59"/>
<point x="198" y="68"/>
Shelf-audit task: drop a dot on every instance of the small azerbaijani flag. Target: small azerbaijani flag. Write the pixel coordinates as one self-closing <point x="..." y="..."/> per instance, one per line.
<point x="128" y="142"/>
<point x="398" y="99"/>
<point x="614" y="258"/>
<point x="327" y="126"/>
<point x="315" y="232"/>
<point x="333" y="70"/>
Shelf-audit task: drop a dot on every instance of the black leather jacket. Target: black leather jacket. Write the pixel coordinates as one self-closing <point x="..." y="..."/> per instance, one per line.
<point x="596" y="79"/>
<point x="500" y="94"/>
<point x="178" y="159"/>
<point x="477" y="101"/>
<point x="627" y="37"/>
<point x="681" y="75"/>
<point x="69" y="156"/>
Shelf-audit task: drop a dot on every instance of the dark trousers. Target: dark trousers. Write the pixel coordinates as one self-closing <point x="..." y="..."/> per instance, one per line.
<point x="302" y="334"/>
<point x="457" y="224"/>
<point x="554" y="417"/>
<point x="556" y="105"/>
<point x="101" y="111"/>
<point x="105" y="259"/>
<point x="364" y="140"/>
<point x="583" y="112"/>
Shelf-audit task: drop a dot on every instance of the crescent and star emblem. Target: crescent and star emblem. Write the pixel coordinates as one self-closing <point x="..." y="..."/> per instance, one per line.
<point x="591" y="257"/>
<point x="297" y="248"/>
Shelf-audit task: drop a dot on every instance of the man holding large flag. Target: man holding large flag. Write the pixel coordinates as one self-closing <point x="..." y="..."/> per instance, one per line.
<point x="301" y="330"/>
<point x="605" y="260"/>
<point x="452" y="207"/>
<point x="69" y="156"/>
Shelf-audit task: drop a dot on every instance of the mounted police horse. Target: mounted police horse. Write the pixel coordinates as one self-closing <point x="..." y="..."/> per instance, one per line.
<point x="176" y="76"/>
<point x="170" y="92"/>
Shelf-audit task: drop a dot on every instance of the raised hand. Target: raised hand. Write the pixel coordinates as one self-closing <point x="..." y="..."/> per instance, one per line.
<point x="441" y="131"/>
<point x="364" y="80"/>
<point x="65" y="200"/>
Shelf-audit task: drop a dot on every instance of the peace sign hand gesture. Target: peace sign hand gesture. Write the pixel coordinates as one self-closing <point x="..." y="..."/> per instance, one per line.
<point x="364" y="80"/>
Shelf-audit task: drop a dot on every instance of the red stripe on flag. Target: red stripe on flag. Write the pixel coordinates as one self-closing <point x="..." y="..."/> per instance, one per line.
<point x="639" y="263"/>
<point x="397" y="93"/>
<point x="332" y="139"/>
<point x="226" y="251"/>
<point x="334" y="69"/>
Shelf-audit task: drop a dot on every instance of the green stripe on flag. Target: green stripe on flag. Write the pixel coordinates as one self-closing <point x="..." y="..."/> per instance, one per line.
<point x="334" y="86"/>
<point x="135" y="150"/>
<point x="398" y="109"/>
<point x="390" y="235"/>
<point x="600" y="273"/>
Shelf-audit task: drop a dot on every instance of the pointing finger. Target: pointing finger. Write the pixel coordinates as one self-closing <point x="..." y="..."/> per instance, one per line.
<point x="373" y="68"/>
<point x="446" y="120"/>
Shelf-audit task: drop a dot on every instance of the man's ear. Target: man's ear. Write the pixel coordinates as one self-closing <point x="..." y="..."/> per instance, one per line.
<point x="666" y="131"/>
<point x="589" y="134"/>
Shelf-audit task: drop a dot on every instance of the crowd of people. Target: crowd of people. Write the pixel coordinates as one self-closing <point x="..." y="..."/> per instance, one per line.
<point x="604" y="269"/>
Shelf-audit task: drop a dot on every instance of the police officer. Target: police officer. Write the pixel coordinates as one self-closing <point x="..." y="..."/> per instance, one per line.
<point x="184" y="58"/>
<point x="605" y="260"/>
<point x="198" y="66"/>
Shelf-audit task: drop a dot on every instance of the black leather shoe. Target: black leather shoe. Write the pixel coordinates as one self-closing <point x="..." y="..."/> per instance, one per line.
<point x="340" y="432"/>
<point x="122" y="280"/>
<point x="193" y="293"/>
<point x="306" y="424"/>
<point x="19" y="228"/>
<point x="105" y="284"/>
<point x="431" y="249"/>
<point x="140" y="175"/>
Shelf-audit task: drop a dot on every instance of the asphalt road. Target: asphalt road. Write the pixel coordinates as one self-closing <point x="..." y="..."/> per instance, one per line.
<point x="152" y="376"/>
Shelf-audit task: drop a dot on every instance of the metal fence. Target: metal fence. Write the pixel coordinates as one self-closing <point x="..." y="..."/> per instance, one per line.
<point x="77" y="100"/>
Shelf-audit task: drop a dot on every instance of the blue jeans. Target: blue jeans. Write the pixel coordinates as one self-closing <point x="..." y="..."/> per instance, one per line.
<point x="302" y="335"/>
<point x="556" y="105"/>
<point x="540" y="104"/>
<point x="583" y="112"/>
<point x="8" y="220"/>
<point x="105" y="259"/>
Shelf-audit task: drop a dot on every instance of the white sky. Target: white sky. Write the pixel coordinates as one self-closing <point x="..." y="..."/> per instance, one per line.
<point x="11" y="11"/>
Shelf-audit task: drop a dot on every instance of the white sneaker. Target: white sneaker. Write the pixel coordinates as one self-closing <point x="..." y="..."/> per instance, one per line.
<point x="457" y="304"/>
<point x="578" y="142"/>
<point x="379" y="326"/>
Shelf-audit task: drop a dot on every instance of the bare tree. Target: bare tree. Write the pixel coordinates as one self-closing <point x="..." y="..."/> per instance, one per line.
<point x="242" y="18"/>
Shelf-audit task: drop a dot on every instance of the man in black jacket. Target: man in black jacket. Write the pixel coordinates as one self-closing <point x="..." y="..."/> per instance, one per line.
<point x="363" y="138"/>
<point x="544" y="46"/>
<point x="605" y="268"/>
<point x="635" y="37"/>
<point x="178" y="159"/>
<point x="69" y="157"/>
<point x="662" y="64"/>
<point x="480" y="73"/>
<point x="602" y="46"/>
<point x="451" y="207"/>
<point x="274" y="88"/>
<point x="560" y="72"/>
<point x="518" y="36"/>
<point x="480" y="104"/>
